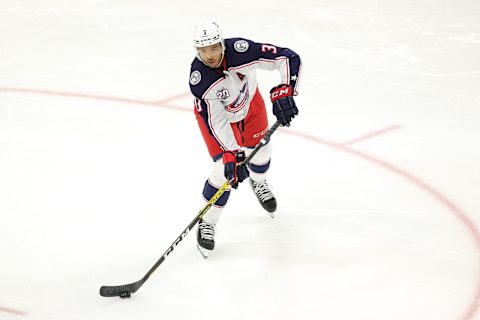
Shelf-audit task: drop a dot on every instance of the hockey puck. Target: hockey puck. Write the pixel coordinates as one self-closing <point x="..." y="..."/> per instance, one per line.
<point x="125" y="294"/>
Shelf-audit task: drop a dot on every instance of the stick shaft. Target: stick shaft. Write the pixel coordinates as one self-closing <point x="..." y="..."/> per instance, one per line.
<point x="112" y="291"/>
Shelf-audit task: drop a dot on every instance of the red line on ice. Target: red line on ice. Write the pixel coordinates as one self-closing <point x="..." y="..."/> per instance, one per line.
<point x="440" y="197"/>
<point x="160" y="103"/>
<point x="12" y="311"/>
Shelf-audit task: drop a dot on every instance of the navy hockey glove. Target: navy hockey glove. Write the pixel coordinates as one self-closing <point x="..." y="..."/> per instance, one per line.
<point x="284" y="107"/>
<point x="235" y="171"/>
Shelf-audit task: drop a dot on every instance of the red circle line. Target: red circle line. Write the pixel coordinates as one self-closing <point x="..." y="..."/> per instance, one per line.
<point x="437" y="195"/>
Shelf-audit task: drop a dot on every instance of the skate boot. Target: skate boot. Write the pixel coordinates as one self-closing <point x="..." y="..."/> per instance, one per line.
<point x="264" y="196"/>
<point x="205" y="235"/>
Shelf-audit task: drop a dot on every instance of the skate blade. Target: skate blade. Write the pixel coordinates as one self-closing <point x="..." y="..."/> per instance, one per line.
<point x="272" y="215"/>
<point x="204" y="252"/>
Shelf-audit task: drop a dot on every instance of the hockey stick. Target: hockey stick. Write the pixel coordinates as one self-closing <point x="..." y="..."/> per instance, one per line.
<point x="125" y="291"/>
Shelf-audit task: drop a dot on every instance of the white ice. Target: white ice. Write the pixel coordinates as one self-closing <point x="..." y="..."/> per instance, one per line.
<point x="102" y="164"/>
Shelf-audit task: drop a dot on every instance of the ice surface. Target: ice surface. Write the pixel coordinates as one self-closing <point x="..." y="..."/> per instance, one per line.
<point x="102" y="164"/>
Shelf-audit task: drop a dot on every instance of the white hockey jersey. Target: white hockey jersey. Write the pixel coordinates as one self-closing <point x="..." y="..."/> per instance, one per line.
<point x="223" y="95"/>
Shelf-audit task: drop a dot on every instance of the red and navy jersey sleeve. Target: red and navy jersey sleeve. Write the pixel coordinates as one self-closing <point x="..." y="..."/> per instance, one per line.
<point x="203" y="82"/>
<point x="267" y="56"/>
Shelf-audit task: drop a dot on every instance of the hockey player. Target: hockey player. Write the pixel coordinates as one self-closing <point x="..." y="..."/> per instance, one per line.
<point x="232" y="115"/>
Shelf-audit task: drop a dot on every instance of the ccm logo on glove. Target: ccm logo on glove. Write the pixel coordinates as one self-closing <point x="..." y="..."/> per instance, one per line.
<point x="284" y="107"/>
<point x="281" y="93"/>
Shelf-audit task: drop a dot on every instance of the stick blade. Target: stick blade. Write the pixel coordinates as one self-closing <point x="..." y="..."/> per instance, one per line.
<point x="123" y="291"/>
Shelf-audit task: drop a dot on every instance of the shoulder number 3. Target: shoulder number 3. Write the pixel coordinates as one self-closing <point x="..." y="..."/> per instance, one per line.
<point x="267" y="47"/>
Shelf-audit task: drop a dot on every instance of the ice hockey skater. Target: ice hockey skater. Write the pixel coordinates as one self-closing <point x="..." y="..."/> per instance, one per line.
<point x="232" y="116"/>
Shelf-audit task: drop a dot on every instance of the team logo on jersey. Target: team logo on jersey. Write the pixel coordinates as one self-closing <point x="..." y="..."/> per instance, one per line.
<point x="240" y="101"/>
<point x="241" y="45"/>
<point x="195" y="77"/>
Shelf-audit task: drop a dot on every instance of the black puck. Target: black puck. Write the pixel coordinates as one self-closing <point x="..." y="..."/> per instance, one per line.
<point x="125" y="294"/>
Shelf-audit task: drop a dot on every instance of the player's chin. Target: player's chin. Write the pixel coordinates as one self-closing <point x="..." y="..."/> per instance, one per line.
<point x="212" y="64"/>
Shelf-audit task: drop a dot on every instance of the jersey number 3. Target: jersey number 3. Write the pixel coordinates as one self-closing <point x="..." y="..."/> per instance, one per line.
<point x="267" y="47"/>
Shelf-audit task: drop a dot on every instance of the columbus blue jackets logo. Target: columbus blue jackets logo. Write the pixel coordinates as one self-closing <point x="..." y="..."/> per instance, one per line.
<point x="240" y="101"/>
<point x="241" y="45"/>
<point x="195" y="77"/>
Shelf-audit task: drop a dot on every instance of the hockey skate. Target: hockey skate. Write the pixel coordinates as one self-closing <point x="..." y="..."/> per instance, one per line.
<point x="264" y="196"/>
<point x="205" y="235"/>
